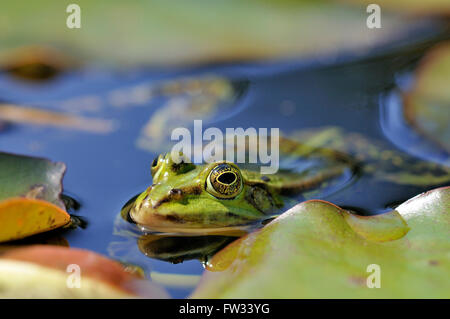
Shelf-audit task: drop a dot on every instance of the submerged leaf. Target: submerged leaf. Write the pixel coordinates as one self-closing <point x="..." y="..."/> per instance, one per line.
<point x="46" y="272"/>
<point x="376" y="157"/>
<point x="188" y="99"/>
<point x="317" y="250"/>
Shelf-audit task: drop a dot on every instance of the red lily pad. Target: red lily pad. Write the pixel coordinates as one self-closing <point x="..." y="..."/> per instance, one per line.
<point x="42" y="271"/>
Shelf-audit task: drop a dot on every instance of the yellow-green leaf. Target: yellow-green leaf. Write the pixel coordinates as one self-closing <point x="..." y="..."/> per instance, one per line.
<point x="436" y="7"/>
<point x="155" y="32"/>
<point x="317" y="250"/>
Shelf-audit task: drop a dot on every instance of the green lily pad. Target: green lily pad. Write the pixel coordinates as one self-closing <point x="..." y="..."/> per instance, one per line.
<point x="30" y="177"/>
<point x="318" y="250"/>
<point x="155" y="32"/>
<point x="30" y="196"/>
<point x="427" y="105"/>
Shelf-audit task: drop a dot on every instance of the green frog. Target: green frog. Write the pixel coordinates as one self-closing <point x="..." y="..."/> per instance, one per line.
<point x="189" y="198"/>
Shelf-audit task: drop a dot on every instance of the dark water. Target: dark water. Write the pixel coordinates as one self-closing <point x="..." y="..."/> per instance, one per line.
<point x="104" y="171"/>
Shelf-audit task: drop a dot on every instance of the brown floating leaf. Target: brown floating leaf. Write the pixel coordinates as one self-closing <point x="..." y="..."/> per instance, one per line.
<point x="35" y="62"/>
<point x="28" y="115"/>
<point x="23" y="217"/>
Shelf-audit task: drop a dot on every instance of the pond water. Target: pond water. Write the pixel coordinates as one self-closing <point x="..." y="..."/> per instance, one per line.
<point x="105" y="170"/>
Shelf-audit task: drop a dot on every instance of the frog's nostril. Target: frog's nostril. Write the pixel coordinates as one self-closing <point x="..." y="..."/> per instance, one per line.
<point x="175" y="193"/>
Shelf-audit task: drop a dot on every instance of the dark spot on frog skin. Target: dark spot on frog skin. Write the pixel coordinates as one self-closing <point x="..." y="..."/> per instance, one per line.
<point x="174" y="218"/>
<point x="433" y="262"/>
<point x="260" y="198"/>
<point x="178" y="194"/>
<point x="160" y="202"/>
<point x="233" y="215"/>
<point x="265" y="179"/>
<point x="196" y="190"/>
<point x="182" y="167"/>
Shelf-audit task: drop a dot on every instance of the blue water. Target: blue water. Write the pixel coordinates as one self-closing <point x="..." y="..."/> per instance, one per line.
<point x="105" y="170"/>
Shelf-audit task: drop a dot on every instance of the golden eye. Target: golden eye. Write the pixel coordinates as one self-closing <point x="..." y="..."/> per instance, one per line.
<point x="224" y="181"/>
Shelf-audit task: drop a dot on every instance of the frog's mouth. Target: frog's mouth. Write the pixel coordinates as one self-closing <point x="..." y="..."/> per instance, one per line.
<point x="234" y="231"/>
<point x="159" y="220"/>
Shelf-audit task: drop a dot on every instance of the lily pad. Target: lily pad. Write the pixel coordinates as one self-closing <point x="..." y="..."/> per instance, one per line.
<point x="30" y="196"/>
<point x="30" y="177"/>
<point x="198" y="31"/>
<point x="427" y="105"/>
<point x="318" y="250"/>
<point x="23" y="217"/>
<point x="45" y="272"/>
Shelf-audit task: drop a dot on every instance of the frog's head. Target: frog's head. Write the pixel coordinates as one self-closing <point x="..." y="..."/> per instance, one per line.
<point x="188" y="196"/>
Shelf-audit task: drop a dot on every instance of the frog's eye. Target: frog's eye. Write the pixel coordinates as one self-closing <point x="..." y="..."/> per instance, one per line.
<point x="156" y="164"/>
<point x="224" y="181"/>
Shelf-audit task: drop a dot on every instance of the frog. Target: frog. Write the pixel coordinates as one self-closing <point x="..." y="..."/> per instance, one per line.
<point x="194" y="198"/>
<point x="189" y="198"/>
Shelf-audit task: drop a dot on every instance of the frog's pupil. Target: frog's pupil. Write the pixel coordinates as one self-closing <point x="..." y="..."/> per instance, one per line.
<point x="227" y="178"/>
